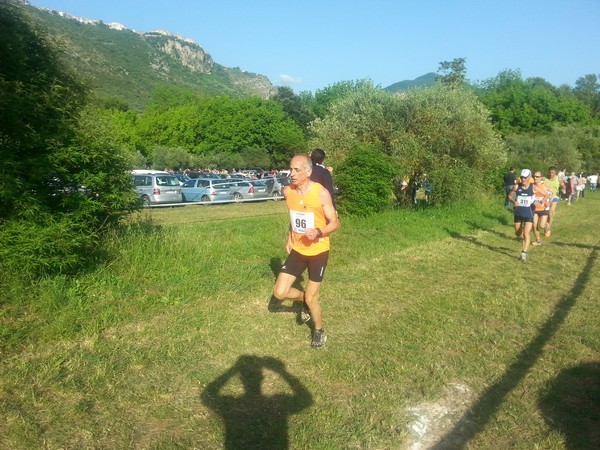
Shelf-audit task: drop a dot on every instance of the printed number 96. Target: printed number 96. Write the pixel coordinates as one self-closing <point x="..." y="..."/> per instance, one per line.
<point x="300" y="223"/>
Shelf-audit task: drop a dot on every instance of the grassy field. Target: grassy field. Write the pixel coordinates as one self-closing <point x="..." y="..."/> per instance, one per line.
<point x="436" y="332"/>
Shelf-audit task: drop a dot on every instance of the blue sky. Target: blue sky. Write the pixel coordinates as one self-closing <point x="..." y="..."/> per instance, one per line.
<point x="311" y="44"/>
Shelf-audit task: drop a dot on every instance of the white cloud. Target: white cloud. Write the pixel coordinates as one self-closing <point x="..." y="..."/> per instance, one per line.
<point x="288" y="79"/>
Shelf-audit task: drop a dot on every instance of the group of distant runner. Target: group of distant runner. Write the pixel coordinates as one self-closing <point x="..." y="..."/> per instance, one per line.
<point x="534" y="199"/>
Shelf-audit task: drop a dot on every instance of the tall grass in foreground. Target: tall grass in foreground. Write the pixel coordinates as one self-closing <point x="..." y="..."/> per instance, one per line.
<point x="430" y="307"/>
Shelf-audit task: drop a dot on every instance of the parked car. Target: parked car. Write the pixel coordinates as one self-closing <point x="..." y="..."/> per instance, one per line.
<point x="275" y="186"/>
<point x="204" y="175"/>
<point x="284" y="180"/>
<point x="206" y="190"/>
<point x="246" y="190"/>
<point x="156" y="187"/>
<point x="182" y="177"/>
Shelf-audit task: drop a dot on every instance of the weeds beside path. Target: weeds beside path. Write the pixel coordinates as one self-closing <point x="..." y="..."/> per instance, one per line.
<point x="436" y="331"/>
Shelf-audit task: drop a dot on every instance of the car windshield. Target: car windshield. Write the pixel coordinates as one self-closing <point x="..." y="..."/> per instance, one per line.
<point x="167" y="180"/>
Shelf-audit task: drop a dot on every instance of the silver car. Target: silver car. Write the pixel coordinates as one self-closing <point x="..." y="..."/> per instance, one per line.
<point x="206" y="190"/>
<point x="249" y="190"/>
<point x="155" y="187"/>
<point x="275" y="185"/>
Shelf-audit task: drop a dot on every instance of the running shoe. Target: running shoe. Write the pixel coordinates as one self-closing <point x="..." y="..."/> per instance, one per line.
<point x="275" y="305"/>
<point x="318" y="339"/>
<point x="523" y="257"/>
<point x="304" y="315"/>
<point x="538" y="242"/>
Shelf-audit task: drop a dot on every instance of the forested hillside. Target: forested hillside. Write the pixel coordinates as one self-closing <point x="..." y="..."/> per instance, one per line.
<point x="127" y="65"/>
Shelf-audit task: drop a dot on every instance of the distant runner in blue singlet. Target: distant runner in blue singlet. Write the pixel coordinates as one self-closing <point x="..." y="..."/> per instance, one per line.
<point x="522" y="197"/>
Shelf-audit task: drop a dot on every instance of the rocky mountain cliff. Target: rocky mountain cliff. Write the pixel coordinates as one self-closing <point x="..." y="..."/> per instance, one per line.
<point x="126" y="64"/>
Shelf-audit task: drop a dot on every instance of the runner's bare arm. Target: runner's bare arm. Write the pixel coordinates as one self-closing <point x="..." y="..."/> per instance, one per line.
<point x="288" y="244"/>
<point x="330" y="213"/>
<point x="333" y="223"/>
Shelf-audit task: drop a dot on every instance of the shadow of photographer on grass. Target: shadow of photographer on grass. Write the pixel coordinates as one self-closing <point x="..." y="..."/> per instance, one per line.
<point x="255" y="419"/>
<point x="482" y="411"/>
<point x="571" y="404"/>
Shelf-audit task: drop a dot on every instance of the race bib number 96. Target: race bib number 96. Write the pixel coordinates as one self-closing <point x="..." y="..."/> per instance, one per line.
<point x="301" y="220"/>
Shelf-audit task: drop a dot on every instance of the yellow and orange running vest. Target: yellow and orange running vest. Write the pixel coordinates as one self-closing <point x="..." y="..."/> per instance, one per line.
<point x="306" y="211"/>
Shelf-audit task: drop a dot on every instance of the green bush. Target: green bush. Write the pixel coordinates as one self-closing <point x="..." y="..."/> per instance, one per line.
<point x="364" y="180"/>
<point x="63" y="178"/>
<point x="444" y="133"/>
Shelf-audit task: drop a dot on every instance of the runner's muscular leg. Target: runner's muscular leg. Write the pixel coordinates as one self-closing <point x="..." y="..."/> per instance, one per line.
<point x="543" y="222"/>
<point x="283" y="289"/>
<point x="311" y="296"/>
<point x="526" y="235"/>
<point x="518" y="229"/>
<point x="552" y="212"/>
<point x="536" y="221"/>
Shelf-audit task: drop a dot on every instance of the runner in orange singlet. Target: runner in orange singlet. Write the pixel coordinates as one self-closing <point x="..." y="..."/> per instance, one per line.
<point x="541" y="206"/>
<point x="312" y="219"/>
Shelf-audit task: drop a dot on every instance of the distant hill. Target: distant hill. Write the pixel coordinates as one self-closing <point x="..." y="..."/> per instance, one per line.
<point x="423" y="81"/>
<point x="128" y="65"/>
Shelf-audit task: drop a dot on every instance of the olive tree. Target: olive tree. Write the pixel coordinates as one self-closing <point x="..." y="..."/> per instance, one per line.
<point x="441" y="131"/>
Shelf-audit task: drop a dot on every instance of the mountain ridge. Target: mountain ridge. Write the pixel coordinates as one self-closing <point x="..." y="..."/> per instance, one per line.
<point x="122" y="63"/>
<point x="126" y="64"/>
<point x="426" y="80"/>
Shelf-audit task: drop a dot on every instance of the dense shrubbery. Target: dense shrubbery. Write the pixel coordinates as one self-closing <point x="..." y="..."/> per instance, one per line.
<point x="62" y="178"/>
<point x="440" y="131"/>
<point x="543" y="125"/>
<point x="364" y="181"/>
<point x="571" y="148"/>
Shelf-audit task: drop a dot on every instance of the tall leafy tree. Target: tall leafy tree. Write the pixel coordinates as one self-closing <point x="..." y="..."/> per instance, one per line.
<point x="440" y="131"/>
<point x="519" y="105"/>
<point x="60" y="179"/>
<point x="224" y="125"/>
<point x="587" y="89"/>
<point x="453" y="73"/>
<point x="326" y="97"/>
<point x="40" y="101"/>
<point x="294" y="107"/>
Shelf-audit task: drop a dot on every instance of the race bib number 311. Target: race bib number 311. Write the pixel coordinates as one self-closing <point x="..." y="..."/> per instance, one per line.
<point x="524" y="200"/>
<point x="301" y="220"/>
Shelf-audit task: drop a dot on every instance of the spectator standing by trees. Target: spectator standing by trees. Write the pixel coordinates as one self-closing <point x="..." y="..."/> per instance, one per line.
<point x="593" y="179"/>
<point x="320" y="174"/>
<point x="581" y="181"/>
<point x="571" y="188"/>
